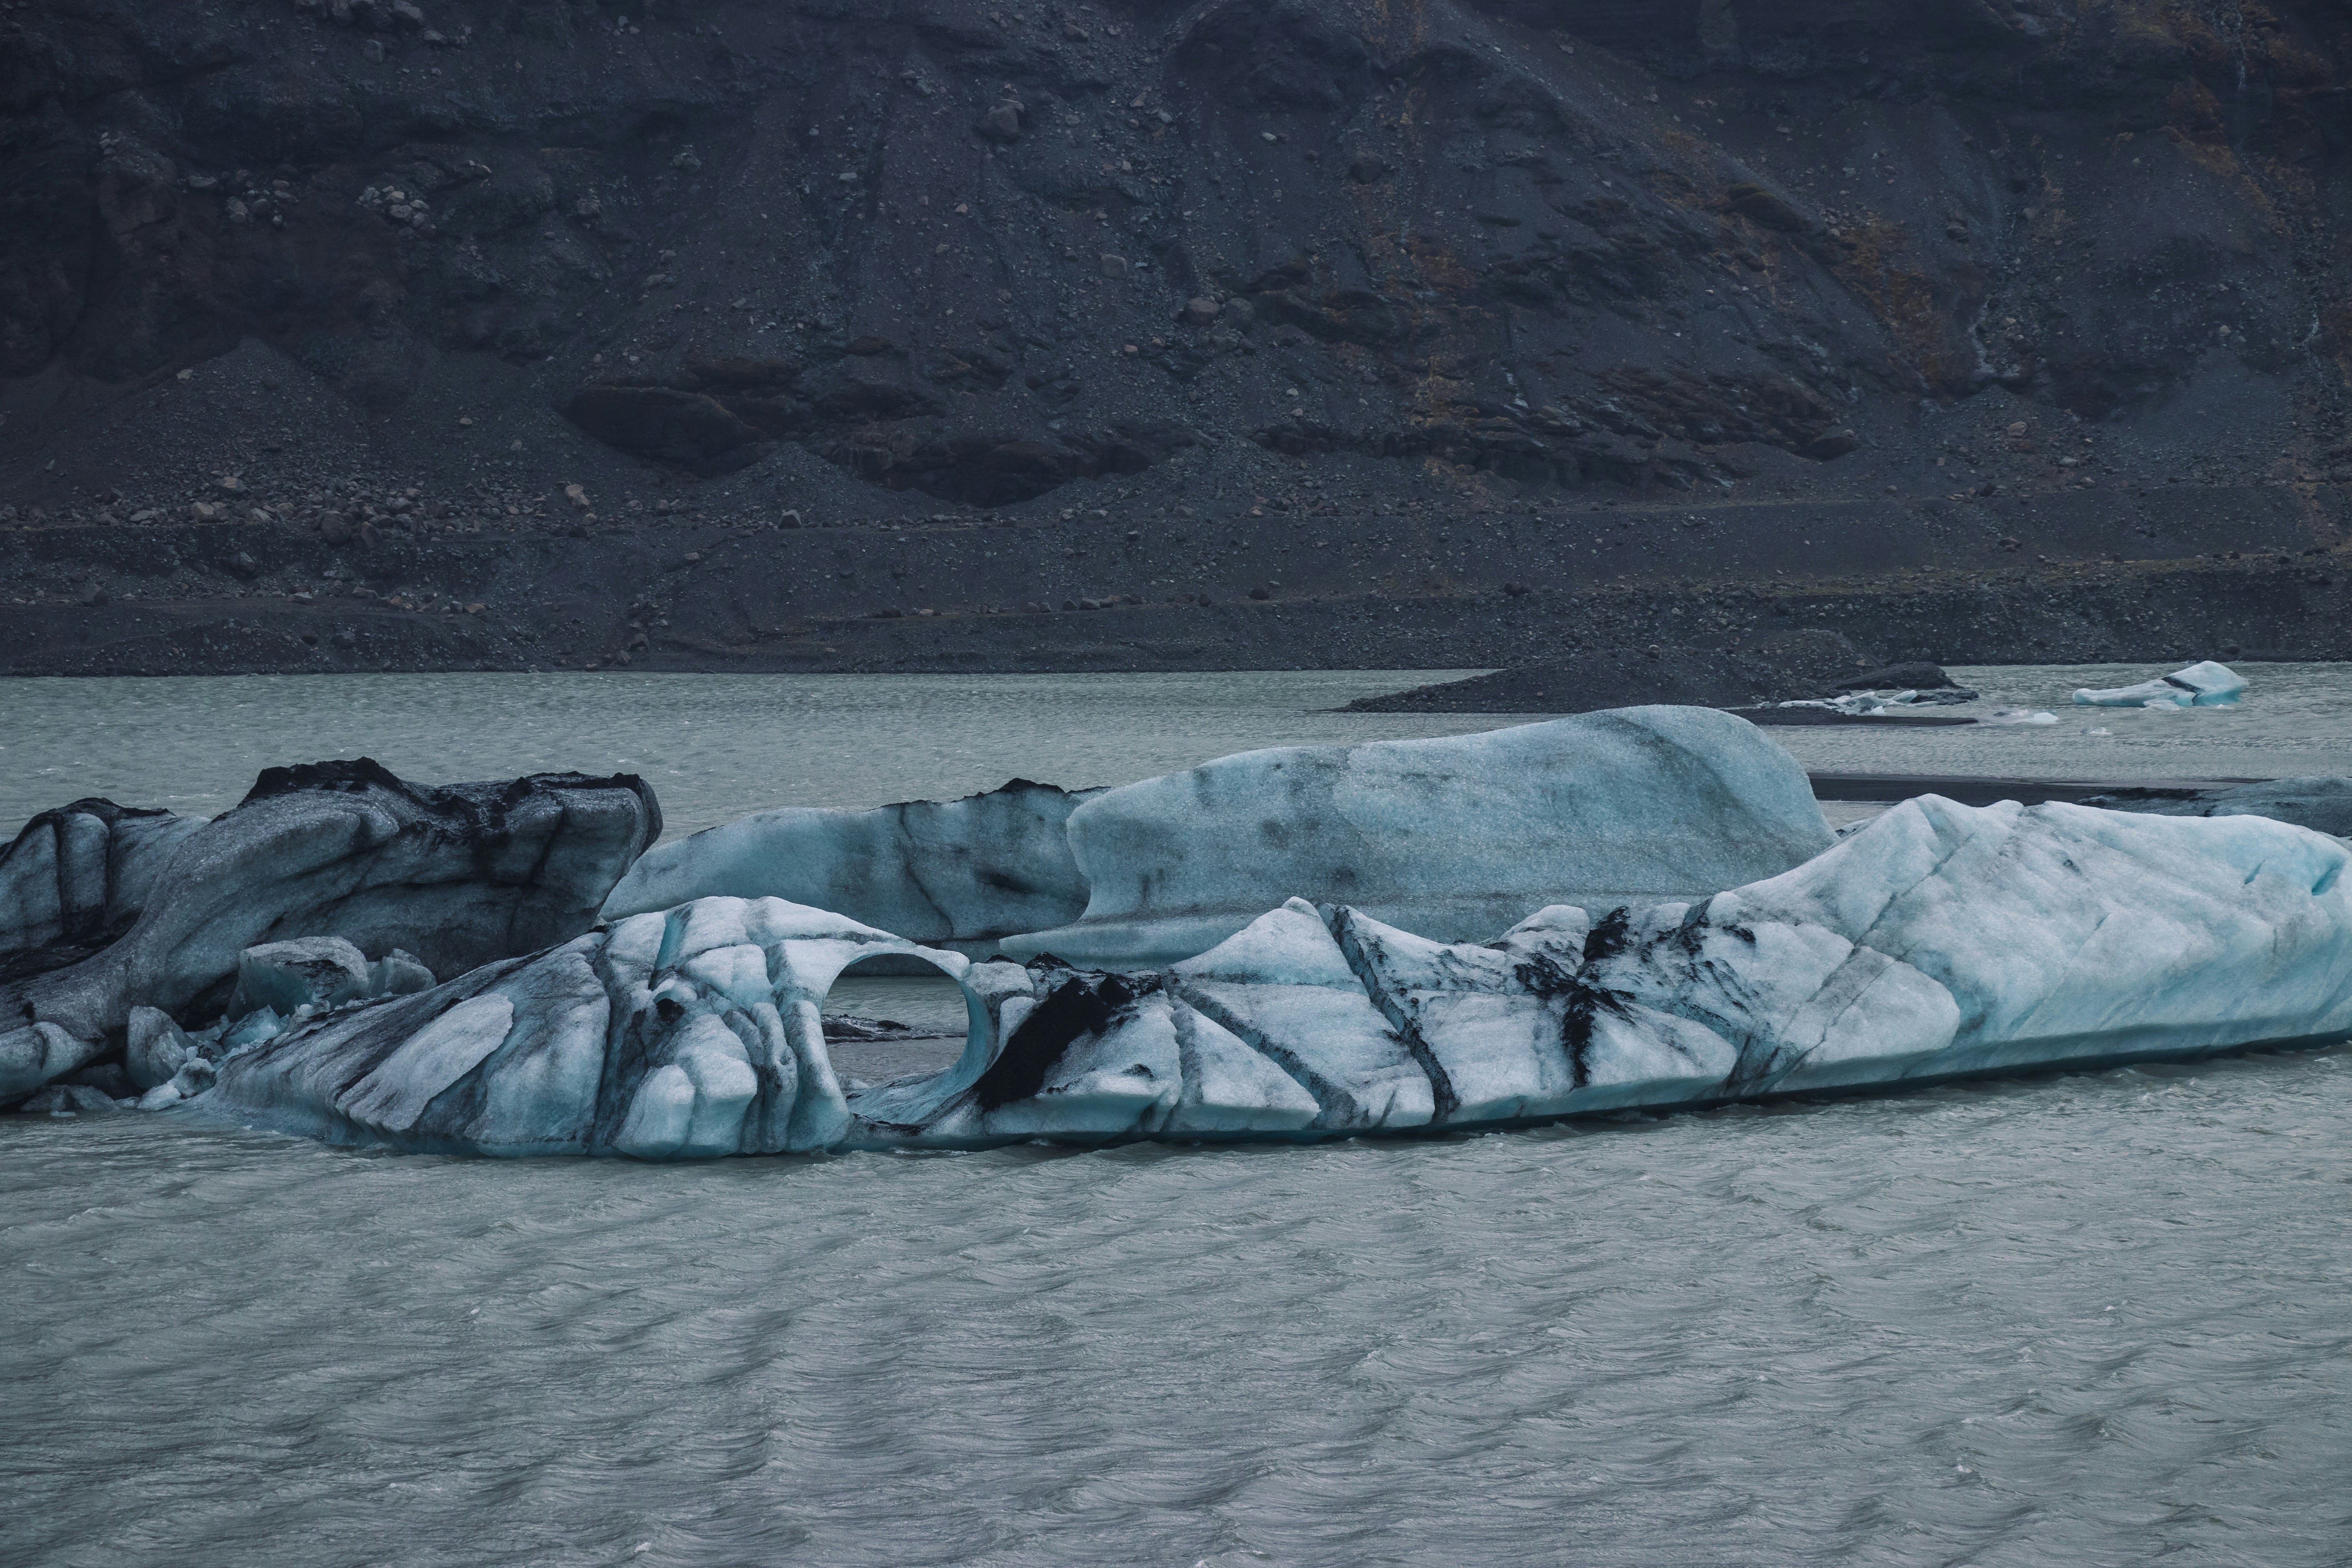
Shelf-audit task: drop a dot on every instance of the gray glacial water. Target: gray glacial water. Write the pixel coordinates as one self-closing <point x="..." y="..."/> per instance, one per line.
<point x="2065" y="1320"/>
<point x="716" y="746"/>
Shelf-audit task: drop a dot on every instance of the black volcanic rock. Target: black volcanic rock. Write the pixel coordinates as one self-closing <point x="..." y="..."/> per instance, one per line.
<point x="1918" y="675"/>
<point x="2323" y="804"/>
<point x="689" y="428"/>
<point x="1483" y="242"/>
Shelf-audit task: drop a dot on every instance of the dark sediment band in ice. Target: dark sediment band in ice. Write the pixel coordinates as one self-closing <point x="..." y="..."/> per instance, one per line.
<point x="962" y="874"/>
<point x="1941" y="941"/>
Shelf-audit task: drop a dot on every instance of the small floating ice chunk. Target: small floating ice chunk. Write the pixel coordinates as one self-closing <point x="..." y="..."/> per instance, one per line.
<point x="156" y="1049"/>
<point x="1857" y="703"/>
<point x="2018" y="716"/>
<point x="195" y="1076"/>
<point x="2202" y="684"/>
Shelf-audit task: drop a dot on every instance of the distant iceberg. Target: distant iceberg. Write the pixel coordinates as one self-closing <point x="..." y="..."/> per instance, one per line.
<point x="2204" y="685"/>
<point x="1452" y="837"/>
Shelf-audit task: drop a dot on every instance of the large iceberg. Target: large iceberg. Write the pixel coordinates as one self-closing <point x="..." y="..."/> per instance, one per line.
<point x="1939" y="941"/>
<point x="960" y="874"/>
<point x="1450" y="838"/>
<point x="458" y="875"/>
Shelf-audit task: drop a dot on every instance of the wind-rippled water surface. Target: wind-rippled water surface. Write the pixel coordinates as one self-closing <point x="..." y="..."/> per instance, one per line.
<point x="2067" y="1321"/>
<point x="2064" y="1320"/>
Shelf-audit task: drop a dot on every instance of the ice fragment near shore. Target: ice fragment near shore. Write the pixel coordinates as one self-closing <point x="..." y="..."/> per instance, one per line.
<point x="308" y="972"/>
<point x="156" y="1047"/>
<point x="2201" y="685"/>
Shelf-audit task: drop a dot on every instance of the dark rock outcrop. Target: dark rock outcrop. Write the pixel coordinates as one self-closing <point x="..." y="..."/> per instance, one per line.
<point x="1570" y="245"/>
<point x="460" y="875"/>
<point x="1725" y="289"/>
<point x="688" y="428"/>
<point x="2322" y="803"/>
<point x="1916" y="674"/>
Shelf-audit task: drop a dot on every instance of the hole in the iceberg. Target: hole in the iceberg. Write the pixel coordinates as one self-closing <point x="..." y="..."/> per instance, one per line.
<point x="892" y="1016"/>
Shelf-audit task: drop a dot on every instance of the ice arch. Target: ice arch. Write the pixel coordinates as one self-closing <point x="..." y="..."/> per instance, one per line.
<point x="694" y="1032"/>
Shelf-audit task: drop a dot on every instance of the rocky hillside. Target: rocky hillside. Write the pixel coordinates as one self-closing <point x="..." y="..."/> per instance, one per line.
<point x="1457" y="300"/>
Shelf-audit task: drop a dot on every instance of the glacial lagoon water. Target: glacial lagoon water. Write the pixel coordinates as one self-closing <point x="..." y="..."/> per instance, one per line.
<point x="2067" y="1320"/>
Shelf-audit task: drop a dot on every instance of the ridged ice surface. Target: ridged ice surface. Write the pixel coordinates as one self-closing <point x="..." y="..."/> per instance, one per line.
<point x="2064" y="1322"/>
<point x="1941" y="941"/>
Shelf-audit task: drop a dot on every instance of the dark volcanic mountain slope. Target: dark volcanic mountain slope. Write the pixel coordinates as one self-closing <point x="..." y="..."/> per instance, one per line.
<point x="1240" y="257"/>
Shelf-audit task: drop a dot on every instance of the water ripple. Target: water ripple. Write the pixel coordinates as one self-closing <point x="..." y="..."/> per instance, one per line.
<point x="2064" y="1320"/>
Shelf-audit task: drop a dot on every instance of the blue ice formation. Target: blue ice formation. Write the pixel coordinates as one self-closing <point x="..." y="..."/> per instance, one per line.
<point x="1452" y="838"/>
<point x="960" y="874"/>
<point x="2201" y="685"/>
<point x="1939" y="941"/>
